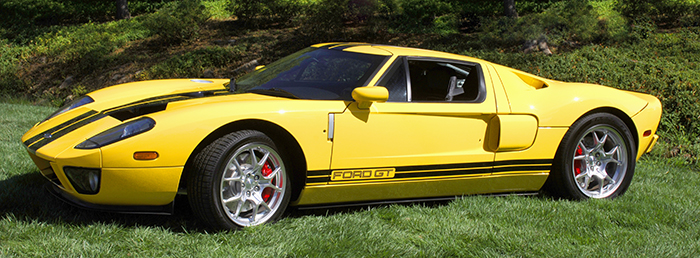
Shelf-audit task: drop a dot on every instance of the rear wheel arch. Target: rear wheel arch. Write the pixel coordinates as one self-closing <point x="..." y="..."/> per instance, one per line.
<point x="284" y="140"/>
<point x="619" y="114"/>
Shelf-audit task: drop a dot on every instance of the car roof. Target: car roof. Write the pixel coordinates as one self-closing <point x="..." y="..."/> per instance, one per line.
<point x="385" y="50"/>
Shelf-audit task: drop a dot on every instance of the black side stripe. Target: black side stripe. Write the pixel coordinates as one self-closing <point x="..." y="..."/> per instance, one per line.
<point x="41" y="139"/>
<point x="460" y="169"/>
<point x="445" y="173"/>
<point x="522" y="162"/>
<point x="522" y="168"/>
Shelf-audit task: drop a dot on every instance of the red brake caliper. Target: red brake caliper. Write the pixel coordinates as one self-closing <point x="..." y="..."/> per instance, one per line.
<point x="266" y="171"/>
<point x="577" y="163"/>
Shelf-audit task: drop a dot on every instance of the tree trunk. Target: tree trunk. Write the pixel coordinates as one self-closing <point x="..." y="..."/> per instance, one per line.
<point x="509" y="9"/>
<point x="122" y="10"/>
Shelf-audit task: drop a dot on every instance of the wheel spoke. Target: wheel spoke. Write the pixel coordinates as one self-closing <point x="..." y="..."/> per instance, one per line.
<point x="600" y="142"/>
<point x="236" y="166"/>
<point x="254" y="215"/>
<point x="586" y="182"/>
<point x="273" y="174"/>
<point x="238" y="209"/>
<point x="274" y="187"/>
<point x="262" y="161"/>
<point x="233" y="179"/>
<point x="584" y="174"/>
<point x="253" y="158"/>
<point x="585" y="150"/>
<point x="264" y="204"/>
<point x="234" y="198"/>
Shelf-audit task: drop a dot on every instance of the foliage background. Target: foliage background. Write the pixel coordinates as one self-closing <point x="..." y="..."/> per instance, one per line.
<point x="53" y="51"/>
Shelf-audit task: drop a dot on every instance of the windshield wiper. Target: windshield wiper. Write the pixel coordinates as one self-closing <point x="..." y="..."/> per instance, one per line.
<point x="277" y="92"/>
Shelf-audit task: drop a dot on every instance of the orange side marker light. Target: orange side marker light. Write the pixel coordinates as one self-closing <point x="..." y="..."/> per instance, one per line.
<point x="145" y="155"/>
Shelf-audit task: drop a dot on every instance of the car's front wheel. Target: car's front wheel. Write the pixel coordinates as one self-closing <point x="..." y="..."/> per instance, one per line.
<point x="595" y="159"/>
<point x="239" y="180"/>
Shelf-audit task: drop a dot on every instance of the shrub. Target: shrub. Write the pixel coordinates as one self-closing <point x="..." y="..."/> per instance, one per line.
<point x="265" y="11"/>
<point x="328" y="20"/>
<point x="425" y="16"/>
<point x="178" y="22"/>
<point x="192" y="64"/>
<point x="86" y="47"/>
<point x="568" y="24"/>
<point x="664" y="12"/>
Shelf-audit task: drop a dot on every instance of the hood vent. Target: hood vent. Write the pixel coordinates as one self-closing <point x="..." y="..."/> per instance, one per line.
<point x="138" y="110"/>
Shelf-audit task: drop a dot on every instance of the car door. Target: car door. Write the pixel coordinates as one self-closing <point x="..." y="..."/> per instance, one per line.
<point x="433" y="128"/>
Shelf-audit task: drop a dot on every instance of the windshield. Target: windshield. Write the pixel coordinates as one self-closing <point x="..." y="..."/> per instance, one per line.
<point x="313" y="73"/>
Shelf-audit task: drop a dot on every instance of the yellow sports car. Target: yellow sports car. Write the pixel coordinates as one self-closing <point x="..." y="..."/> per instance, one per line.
<point x="341" y="124"/>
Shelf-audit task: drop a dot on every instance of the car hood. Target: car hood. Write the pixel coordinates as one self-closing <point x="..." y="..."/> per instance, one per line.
<point x="127" y="101"/>
<point x="137" y="91"/>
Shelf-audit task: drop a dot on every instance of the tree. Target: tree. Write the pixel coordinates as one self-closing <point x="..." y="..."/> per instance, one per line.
<point x="122" y="10"/>
<point x="509" y="9"/>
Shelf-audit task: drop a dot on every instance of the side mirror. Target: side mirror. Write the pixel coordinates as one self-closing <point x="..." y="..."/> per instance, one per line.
<point x="366" y="95"/>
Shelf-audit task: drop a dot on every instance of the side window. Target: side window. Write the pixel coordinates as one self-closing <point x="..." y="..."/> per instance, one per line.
<point x="395" y="82"/>
<point x="445" y="81"/>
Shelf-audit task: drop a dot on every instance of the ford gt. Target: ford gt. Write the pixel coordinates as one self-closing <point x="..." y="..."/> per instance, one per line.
<point x="341" y="124"/>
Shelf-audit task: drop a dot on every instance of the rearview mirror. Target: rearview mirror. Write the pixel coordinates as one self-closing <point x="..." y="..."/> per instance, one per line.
<point x="366" y="95"/>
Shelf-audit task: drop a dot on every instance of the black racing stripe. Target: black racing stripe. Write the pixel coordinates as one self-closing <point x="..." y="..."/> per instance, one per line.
<point x="346" y="46"/>
<point x="522" y="162"/>
<point x="64" y="128"/>
<point x="58" y="127"/>
<point x="522" y="168"/>
<point x="317" y="180"/>
<point x="63" y="131"/>
<point x="462" y="172"/>
<point x="330" y="45"/>
<point x="443" y="167"/>
<point x="319" y="173"/>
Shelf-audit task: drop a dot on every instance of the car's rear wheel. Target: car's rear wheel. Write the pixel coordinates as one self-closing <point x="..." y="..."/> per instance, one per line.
<point x="596" y="159"/>
<point x="239" y="180"/>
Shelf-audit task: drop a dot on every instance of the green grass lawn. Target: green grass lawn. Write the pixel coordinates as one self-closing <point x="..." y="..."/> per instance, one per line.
<point x="657" y="217"/>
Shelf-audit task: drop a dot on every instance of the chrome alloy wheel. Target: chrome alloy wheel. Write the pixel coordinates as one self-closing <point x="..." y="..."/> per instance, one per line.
<point x="600" y="161"/>
<point x="253" y="184"/>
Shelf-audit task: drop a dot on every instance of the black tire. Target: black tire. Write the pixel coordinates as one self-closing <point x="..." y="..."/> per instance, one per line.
<point x="595" y="159"/>
<point x="238" y="180"/>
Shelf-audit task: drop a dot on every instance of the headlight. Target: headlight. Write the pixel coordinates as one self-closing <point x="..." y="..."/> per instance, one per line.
<point x="73" y="104"/>
<point x="118" y="133"/>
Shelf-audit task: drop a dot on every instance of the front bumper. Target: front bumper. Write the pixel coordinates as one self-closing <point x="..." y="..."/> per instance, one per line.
<point x="133" y="190"/>
<point x="129" y="209"/>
